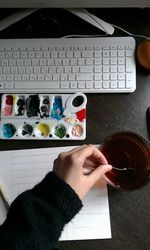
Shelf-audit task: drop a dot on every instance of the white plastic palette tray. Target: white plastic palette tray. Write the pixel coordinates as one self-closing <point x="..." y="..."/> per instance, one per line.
<point x="43" y="116"/>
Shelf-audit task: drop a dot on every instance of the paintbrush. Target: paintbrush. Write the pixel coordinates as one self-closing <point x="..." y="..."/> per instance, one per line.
<point x="4" y="194"/>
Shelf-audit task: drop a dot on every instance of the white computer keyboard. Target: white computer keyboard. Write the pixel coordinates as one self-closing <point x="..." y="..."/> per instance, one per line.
<point x="67" y="65"/>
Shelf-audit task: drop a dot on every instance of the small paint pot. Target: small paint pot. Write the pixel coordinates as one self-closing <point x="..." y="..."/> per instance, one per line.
<point x="25" y="131"/>
<point x="77" y="130"/>
<point x="8" y="130"/>
<point x="60" y="131"/>
<point x="42" y="130"/>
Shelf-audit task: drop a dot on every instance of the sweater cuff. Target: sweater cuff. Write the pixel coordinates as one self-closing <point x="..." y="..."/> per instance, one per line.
<point x="60" y="194"/>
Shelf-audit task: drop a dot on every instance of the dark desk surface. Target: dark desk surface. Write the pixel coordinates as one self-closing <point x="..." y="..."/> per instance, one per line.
<point x="106" y="113"/>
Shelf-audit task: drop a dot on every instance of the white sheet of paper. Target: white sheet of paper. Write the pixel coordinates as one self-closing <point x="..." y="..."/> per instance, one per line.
<point x="22" y="169"/>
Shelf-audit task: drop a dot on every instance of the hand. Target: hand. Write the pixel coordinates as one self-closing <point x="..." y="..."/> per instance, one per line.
<point x="70" y="166"/>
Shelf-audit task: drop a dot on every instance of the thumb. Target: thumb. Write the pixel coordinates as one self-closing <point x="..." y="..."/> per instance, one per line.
<point x="99" y="172"/>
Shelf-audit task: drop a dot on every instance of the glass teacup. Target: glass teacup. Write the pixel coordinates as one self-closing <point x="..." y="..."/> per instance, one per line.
<point x="127" y="151"/>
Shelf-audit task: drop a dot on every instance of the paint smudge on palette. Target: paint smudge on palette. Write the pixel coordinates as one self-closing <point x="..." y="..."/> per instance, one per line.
<point x="32" y="106"/>
<point x="19" y="105"/>
<point x="57" y="109"/>
<point x="71" y="120"/>
<point x="8" y="105"/>
<point x="81" y="115"/>
<point x="44" y="106"/>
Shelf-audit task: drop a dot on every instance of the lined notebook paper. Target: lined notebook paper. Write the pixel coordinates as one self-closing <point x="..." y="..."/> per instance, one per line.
<point x="22" y="169"/>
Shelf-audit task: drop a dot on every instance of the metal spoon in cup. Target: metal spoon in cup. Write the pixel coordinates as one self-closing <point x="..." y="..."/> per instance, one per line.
<point x="128" y="170"/>
<point x="89" y="169"/>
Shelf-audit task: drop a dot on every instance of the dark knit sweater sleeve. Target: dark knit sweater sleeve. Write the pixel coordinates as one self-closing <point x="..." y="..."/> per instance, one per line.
<point x="37" y="217"/>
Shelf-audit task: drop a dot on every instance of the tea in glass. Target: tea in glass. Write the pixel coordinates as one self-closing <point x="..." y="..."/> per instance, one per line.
<point x="127" y="150"/>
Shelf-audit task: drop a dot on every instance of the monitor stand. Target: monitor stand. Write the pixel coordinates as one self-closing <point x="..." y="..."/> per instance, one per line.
<point x="15" y="17"/>
<point x="93" y="20"/>
<point x="81" y="13"/>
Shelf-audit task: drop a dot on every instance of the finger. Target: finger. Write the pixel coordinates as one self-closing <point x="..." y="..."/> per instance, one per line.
<point x="88" y="167"/>
<point x="96" y="162"/>
<point x="91" y="150"/>
<point x="75" y="149"/>
<point x="87" y="170"/>
<point x="67" y="153"/>
<point x="89" y="163"/>
<point x="98" y="173"/>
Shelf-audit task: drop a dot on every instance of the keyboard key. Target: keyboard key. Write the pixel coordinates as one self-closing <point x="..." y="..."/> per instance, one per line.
<point x="113" y="53"/>
<point x="1" y="85"/>
<point x="121" y="53"/>
<point x="81" y="62"/>
<point x="48" y="77"/>
<point x="98" y="61"/>
<point x="71" y="77"/>
<point x="73" y="85"/>
<point x="105" y="53"/>
<point x="129" y="65"/>
<point x="37" y="85"/>
<point x="113" y="76"/>
<point x="97" y="54"/>
<point x="121" y="84"/>
<point x="113" y="69"/>
<point x="81" y="85"/>
<point x="121" y="61"/>
<point x="106" y="84"/>
<point x="89" y="85"/>
<point x="113" y="61"/>
<point x="56" y="77"/>
<point x="75" y="69"/>
<point x="50" y="62"/>
<point x="121" y="68"/>
<point x="98" y="84"/>
<point x="9" y="85"/>
<point x="129" y="53"/>
<point x="105" y="76"/>
<point x="128" y="84"/>
<point x="98" y="69"/>
<point x="40" y="77"/>
<point x="97" y="77"/>
<point x="89" y="61"/>
<point x="113" y="84"/>
<point x="6" y="70"/>
<point x="105" y="61"/>
<point x="86" y="69"/>
<point x="32" y="77"/>
<point x="25" y="78"/>
<point x="121" y="76"/>
<point x="17" y="77"/>
<point x="67" y="69"/>
<point x="84" y="77"/>
<point x="87" y="54"/>
<point x="105" y="69"/>
<point x="64" y="85"/>
<point x="64" y="77"/>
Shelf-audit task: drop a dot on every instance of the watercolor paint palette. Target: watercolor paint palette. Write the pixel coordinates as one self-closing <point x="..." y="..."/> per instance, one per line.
<point x="43" y="116"/>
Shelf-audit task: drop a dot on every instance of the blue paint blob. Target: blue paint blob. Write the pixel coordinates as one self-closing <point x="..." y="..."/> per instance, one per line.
<point x="8" y="130"/>
<point x="57" y="110"/>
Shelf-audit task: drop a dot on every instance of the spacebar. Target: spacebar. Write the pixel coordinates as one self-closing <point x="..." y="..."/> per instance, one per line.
<point x="37" y="85"/>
